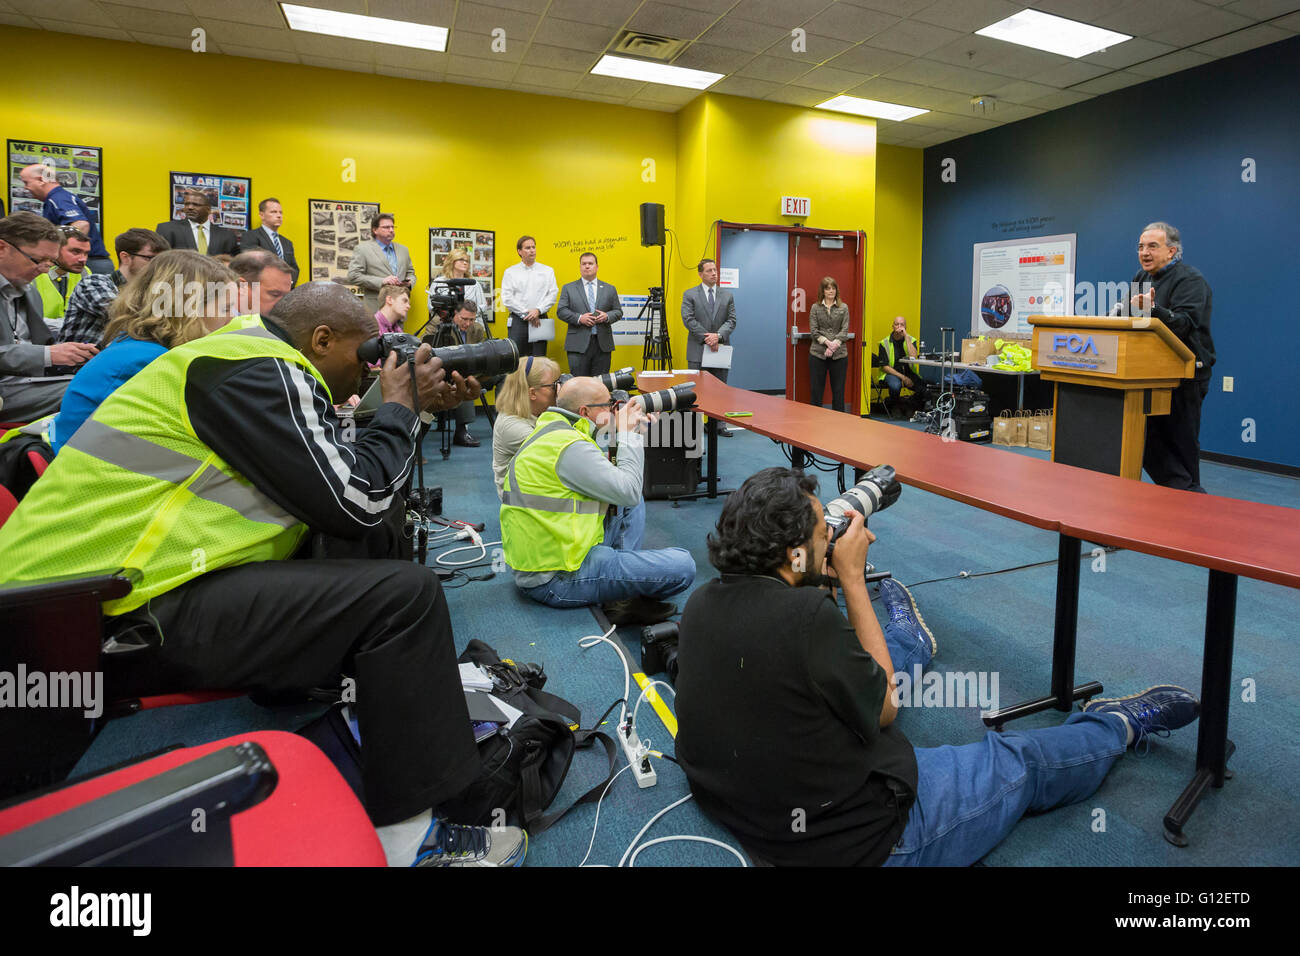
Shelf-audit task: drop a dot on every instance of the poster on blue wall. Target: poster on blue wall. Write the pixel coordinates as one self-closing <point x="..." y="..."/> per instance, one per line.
<point x="1013" y="279"/>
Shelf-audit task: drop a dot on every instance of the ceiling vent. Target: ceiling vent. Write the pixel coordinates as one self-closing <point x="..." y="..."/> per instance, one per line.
<point x="646" y="45"/>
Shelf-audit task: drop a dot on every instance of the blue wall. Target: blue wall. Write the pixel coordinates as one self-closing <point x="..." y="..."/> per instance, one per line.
<point x="1170" y="149"/>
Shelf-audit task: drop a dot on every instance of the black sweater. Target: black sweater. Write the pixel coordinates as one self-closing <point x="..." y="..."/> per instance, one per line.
<point x="1184" y="302"/>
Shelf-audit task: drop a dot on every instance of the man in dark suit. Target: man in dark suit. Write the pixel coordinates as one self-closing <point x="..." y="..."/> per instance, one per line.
<point x="195" y="232"/>
<point x="710" y="316"/>
<point x="268" y="236"/>
<point x="31" y="363"/>
<point x="589" y="307"/>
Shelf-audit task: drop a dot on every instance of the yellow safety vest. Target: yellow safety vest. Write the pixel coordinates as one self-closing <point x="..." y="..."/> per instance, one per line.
<point x="54" y="304"/>
<point x="546" y="526"/>
<point x="887" y="343"/>
<point x="136" y="488"/>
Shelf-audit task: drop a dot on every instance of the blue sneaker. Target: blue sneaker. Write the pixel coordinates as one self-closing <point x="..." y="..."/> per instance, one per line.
<point x="1157" y="710"/>
<point x="902" y="610"/>
<point x="449" y="844"/>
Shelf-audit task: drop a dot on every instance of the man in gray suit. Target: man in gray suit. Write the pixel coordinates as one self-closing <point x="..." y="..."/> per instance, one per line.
<point x="380" y="261"/>
<point x="589" y="307"/>
<point x="28" y="247"/>
<point x="710" y="316"/>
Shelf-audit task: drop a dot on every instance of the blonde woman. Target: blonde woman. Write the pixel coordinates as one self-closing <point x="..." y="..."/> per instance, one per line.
<point x="828" y="321"/>
<point x="527" y="392"/>
<point x="146" y="319"/>
<point x="456" y="266"/>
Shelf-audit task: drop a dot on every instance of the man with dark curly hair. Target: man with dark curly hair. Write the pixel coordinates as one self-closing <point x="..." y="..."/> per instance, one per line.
<point x="786" y="718"/>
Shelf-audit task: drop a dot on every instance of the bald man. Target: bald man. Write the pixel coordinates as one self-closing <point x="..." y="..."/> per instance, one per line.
<point x="246" y="414"/>
<point x="64" y="209"/>
<point x="572" y="521"/>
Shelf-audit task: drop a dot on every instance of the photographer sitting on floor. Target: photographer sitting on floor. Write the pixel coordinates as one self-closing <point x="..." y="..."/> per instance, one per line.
<point x="205" y="471"/>
<point x="786" y="710"/>
<point x="567" y="545"/>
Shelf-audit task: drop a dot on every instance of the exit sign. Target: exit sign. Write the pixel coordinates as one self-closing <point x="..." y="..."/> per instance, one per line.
<point x="795" y="205"/>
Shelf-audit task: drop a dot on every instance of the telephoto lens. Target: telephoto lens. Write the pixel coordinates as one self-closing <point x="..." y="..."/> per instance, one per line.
<point x="480" y="359"/>
<point x="878" y="489"/>
<point x="679" y="396"/>
<point x="375" y="351"/>
<point x="623" y="379"/>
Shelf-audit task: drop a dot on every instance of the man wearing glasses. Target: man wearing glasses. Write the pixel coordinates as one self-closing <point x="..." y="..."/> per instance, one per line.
<point x="30" y="384"/>
<point x="88" y="306"/>
<point x="572" y="521"/>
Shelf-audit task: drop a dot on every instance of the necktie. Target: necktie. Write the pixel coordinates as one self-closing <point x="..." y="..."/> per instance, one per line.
<point x="391" y="253"/>
<point x="275" y="241"/>
<point x="201" y="239"/>
<point x="712" y="306"/>
<point x="61" y="283"/>
<point x="591" y="297"/>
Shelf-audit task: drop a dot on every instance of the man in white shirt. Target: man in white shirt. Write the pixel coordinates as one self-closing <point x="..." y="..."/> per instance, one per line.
<point x="268" y="236"/>
<point x="528" y="291"/>
<point x="195" y="231"/>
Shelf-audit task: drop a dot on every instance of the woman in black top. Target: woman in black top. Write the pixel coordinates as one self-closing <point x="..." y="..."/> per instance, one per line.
<point x="828" y="321"/>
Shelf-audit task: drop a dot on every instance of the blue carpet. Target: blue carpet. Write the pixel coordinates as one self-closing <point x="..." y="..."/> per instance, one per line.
<point x="1141" y="622"/>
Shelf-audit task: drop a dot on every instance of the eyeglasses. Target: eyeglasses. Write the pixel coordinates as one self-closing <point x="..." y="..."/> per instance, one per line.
<point x="43" y="262"/>
<point x="138" y="255"/>
<point x="609" y="404"/>
<point x="555" y="384"/>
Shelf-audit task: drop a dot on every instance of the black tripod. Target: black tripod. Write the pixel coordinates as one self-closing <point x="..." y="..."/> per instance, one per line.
<point x="657" y="353"/>
<point x="446" y="335"/>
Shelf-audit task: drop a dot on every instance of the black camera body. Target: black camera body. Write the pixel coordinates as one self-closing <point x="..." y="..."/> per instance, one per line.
<point x="376" y="350"/>
<point x="659" y="650"/>
<point x="446" y="304"/>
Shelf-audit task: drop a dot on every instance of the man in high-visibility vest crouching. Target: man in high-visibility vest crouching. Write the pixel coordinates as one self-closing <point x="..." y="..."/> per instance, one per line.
<point x="572" y="522"/>
<point x="205" y="471"/>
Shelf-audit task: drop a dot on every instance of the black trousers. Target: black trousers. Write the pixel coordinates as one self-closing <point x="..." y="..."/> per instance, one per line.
<point x="1173" y="451"/>
<point x="277" y="626"/>
<point x="720" y="372"/>
<point x="591" y="362"/>
<point x="518" y="333"/>
<point x="817" y="371"/>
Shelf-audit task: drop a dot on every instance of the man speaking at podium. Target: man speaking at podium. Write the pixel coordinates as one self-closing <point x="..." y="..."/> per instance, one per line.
<point x="1182" y="300"/>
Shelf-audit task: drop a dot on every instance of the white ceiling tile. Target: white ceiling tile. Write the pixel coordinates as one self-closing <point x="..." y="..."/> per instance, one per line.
<point x="774" y="69"/>
<point x="969" y="122"/>
<point x="967" y="15"/>
<point x="480" y="18"/>
<point x="744" y="86"/>
<point x="1111" y="81"/>
<point x="845" y="22"/>
<point x="171" y="6"/>
<point x="499" y="70"/>
<point x="1261" y="9"/>
<point x="899" y="8"/>
<point x="578" y="36"/>
<point x="152" y="21"/>
<point x="438" y="13"/>
<point x="428" y="76"/>
<point x="1259" y="35"/>
<point x="1070" y="73"/>
<point x="312" y="44"/>
<point x="547" y="77"/>
<point x="935" y="138"/>
<point x="918" y="39"/>
<point x="609" y="13"/>
<point x="609" y="86"/>
<point x="1171" y="63"/>
<point x="1083" y="11"/>
<point x="797" y="96"/>
<point x="944" y="76"/>
<point x="423" y="61"/>
<point x="596" y="97"/>
<point x="830" y="79"/>
<point x="653" y="105"/>
<point x="869" y="60"/>
<point x="660" y="93"/>
<point x="1055" y="101"/>
<point x="1141" y="17"/>
<point x="1199" y="28"/>
<point x="665" y="20"/>
<point x="58" y="12"/>
<point x="163" y="39"/>
<point x="911" y="94"/>
<point x="464" y="43"/>
<point x="104" y="33"/>
<point x="1022" y="91"/>
<point x="781" y="13"/>
<point x="240" y="34"/>
<point x="997" y="56"/>
<point x="1291" y="23"/>
<point x="558" y="58"/>
<point x="330" y="63"/>
<point x="251" y="12"/>
<point x="257" y="53"/>
<point x="744" y="35"/>
<point x="716" y="59"/>
<point x="1009" y="112"/>
<point x="528" y="6"/>
<point x="1123" y="55"/>
<point x="813" y="49"/>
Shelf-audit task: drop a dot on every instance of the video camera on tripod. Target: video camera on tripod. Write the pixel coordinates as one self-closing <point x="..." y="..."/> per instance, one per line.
<point x="445" y="304"/>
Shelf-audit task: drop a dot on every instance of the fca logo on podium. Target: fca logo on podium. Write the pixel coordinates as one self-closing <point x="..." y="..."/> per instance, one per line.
<point x="1075" y="344"/>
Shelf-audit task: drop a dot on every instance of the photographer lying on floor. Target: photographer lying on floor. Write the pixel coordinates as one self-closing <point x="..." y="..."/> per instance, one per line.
<point x="206" y="471"/>
<point x="786" y="716"/>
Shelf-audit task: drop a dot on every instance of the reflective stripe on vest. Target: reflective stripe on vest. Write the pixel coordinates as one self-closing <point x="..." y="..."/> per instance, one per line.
<point x="514" y="497"/>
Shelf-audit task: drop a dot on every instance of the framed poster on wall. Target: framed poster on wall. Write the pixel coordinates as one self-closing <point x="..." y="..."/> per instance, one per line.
<point x="336" y="228"/>
<point x="1013" y="279"/>
<point x="480" y="244"/>
<point x="229" y="196"/>
<point x="77" y="168"/>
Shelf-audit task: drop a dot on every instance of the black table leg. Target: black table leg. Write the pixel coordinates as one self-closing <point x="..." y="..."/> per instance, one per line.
<point x="1213" y="748"/>
<point x="1064" y="640"/>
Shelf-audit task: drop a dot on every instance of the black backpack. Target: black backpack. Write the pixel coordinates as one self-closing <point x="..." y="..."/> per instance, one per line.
<point x="524" y="767"/>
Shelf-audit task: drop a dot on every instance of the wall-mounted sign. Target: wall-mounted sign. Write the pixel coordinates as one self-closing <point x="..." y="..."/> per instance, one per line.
<point x="796" y="206"/>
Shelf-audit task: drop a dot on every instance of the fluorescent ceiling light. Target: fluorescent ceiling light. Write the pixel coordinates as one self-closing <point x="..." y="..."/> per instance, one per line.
<point x="647" y="72"/>
<point x="860" y="107"/>
<point x="353" y="26"/>
<point x="1042" y="31"/>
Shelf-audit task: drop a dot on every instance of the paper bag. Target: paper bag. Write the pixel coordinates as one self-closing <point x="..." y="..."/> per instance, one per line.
<point x="1004" y="427"/>
<point x="1040" y="430"/>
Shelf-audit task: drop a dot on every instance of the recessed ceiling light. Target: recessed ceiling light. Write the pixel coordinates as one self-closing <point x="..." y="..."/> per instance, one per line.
<point x="630" y="69"/>
<point x="1042" y="31"/>
<point x="354" y="26"/>
<point x="860" y="107"/>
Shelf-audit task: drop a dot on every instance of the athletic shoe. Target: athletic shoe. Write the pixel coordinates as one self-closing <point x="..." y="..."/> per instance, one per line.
<point x="902" y="609"/>
<point x="1157" y="710"/>
<point x="449" y="844"/>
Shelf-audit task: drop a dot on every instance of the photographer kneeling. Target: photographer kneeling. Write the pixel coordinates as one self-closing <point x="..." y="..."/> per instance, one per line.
<point x="561" y="534"/>
<point x="786" y="713"/>
<point x="206" y="471"/>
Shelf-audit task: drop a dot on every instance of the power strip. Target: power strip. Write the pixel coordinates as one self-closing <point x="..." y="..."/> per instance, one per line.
<point x="639" y="762"/>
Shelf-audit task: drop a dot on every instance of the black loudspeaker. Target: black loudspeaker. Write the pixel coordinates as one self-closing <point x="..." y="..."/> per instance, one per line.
<point x="652" y="224"/>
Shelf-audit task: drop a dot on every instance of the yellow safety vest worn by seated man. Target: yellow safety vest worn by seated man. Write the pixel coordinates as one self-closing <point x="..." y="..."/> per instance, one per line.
<point x="887" y="343"/>
<point x="54" y="303"/>
<point x="136" y="488"/>
<point x="546" y="526"/>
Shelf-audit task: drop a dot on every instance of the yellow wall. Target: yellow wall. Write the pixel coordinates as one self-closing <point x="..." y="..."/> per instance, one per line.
<point x="896" y="265"/>
<point x="444" y="155"/>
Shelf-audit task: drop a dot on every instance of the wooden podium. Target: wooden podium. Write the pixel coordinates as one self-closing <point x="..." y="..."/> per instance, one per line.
<point x="1109" y="375"/>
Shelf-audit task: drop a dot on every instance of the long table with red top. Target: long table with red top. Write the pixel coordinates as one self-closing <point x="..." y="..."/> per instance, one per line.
<point x="1229" y="537"/>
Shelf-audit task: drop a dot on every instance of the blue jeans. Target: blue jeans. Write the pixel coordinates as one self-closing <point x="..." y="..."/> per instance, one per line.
<point x="896" y="386"/>
<point x="968" y="798"/>
<point x="619" y="569"/>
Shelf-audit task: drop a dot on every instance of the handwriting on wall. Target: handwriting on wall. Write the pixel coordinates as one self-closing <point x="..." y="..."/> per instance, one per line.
<point x="588" y="245"/>
<point x="1019" y="225"/>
